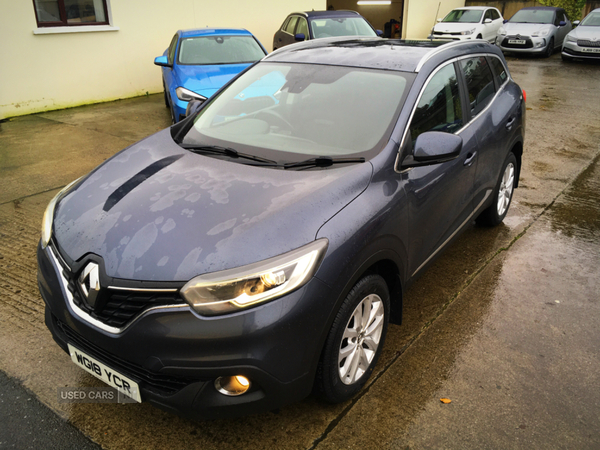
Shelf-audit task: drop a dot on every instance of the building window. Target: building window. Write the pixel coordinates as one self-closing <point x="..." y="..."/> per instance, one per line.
<point x="61" y="13"/>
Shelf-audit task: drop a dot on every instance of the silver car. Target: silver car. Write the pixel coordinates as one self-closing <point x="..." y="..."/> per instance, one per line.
<point x="537" y="29"/>
<point x="584" y="41"/>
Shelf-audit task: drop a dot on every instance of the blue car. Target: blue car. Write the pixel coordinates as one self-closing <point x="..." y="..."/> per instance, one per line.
<point x="198" y="62"/>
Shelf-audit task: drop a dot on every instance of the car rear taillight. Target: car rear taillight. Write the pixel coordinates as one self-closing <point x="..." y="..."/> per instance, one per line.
<point x="524" y="95"/>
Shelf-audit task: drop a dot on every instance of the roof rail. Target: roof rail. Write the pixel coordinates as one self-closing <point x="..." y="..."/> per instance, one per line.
<point x="427" y="56"/>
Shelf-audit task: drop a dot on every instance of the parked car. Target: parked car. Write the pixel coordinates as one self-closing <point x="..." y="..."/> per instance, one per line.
<point x="198" y="62"/>
<point x="584" y="41"/>
<point x="261" y="246"/>
<point x="536" y="29"/>
<point x="471" y="22"/>
<point x="302" y="26"/>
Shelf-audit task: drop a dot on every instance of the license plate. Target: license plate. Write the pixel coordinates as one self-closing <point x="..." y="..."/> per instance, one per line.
<point x="591" y="50"/>
<point x="111" y="377"/>
<point x="516" y="41"/>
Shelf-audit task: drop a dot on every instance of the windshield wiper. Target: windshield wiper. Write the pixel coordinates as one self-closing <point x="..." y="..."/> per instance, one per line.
<point x="227" y="151"/>
<point x="322" y="161"/>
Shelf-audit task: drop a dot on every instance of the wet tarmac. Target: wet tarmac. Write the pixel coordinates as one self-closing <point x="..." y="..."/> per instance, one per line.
<point x="505" y="323"/>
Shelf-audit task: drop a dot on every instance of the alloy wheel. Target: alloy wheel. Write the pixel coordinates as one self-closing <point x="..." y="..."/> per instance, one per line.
<point x="506" y="189"/>
<point x="361" y="339"/>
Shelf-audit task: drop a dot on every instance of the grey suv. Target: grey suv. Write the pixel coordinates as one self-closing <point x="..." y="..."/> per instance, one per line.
<point x="260" y="247"/>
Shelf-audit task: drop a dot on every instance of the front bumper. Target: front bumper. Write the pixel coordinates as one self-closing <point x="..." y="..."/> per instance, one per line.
<point x="531" y="45"/>
<point x="574" y="50"/>
<point x="451" y="37"/>
<point x="175" y="355"/>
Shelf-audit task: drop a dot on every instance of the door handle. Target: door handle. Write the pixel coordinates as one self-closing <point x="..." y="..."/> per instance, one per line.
<point x="510" y="123"/>
<point x="470" y="158"/>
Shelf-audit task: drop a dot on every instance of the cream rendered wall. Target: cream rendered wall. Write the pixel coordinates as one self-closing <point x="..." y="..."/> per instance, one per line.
<point x="53" y="71"/>
<point x="421" y="15"/>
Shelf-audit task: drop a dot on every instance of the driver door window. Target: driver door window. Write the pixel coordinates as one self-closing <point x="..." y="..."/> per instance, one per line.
<point x="439" y="108"/>
<point x="302" y="27"/>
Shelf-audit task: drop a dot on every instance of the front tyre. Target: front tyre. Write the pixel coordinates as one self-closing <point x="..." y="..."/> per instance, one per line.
<point x="496" y="212"/>
<point x="549" y="49"/>
<point x="355" y="340"/>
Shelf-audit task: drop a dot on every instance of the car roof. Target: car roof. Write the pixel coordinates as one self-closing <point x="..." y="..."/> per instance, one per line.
<point x="552" y="8"/>
<point x="214" y="32"/>
<point x="475" y="7"/>
<point x="377" y="53"/>
<point x="332" y="13"/>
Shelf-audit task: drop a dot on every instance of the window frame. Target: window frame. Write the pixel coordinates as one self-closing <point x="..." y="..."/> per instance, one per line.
<point x="63" y="15"/>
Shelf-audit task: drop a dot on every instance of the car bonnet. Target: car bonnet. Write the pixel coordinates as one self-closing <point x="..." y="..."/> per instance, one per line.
<point x="158" y="212"/>
<point x="206" y="80"/>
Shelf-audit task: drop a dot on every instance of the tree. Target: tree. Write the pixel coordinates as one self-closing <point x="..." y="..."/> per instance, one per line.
<point x="572" y="7"/>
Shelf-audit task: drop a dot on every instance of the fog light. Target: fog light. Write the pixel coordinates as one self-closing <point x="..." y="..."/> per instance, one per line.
<point x="232" y="386"/>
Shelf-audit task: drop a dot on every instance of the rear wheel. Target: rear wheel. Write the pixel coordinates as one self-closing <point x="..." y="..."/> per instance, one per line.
<point x="355" y="340"/>
<point x="495" y="213"/>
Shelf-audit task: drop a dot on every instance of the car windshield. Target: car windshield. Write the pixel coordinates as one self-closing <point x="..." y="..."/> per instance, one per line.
<point x="219" y="50"/>
<point x="591" y="20"/>
<point x="533" y="16"/>
<point x="341" y="26"/>
<point x="464" y="16"/>
<point x="289" y="112"/>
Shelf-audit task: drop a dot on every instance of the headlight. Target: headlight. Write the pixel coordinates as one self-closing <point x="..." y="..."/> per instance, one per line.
<point x="541" y="33"/>
<point x="502" y="32"/>
<point x="231" y="290"/>
<point x="571" y="38"/>
<point x="465" y="33"/>
<point x="186" y="95"/>
<point x="49" y="213"/>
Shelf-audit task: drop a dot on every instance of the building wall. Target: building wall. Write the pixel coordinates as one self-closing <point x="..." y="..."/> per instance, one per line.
<point x="51" y="71"/>
<point x="421" y="15"/>
<point x="508" y="7"/>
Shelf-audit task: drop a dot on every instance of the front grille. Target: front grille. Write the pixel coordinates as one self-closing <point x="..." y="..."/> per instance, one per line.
<point x="153" y="381"/>
<point x="528" y="43"/>
<point x="584" y="43"/>
<point x="121" y="306"/>
<point x="441" y="33"/>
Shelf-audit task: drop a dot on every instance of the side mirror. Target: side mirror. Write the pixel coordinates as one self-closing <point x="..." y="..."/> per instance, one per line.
<point x="379" y="33"/>
<point x="192" y="107"/>
<point x="162" y="61"/>
<point x="577" y="22"/>
<point x="439" y="20"/>
<point x="433" y="147"/>
<point x="562" y="23"/>
<point x="300" y="37"/>
<point x="487" y="21"/>
<point x="505" y="21"/>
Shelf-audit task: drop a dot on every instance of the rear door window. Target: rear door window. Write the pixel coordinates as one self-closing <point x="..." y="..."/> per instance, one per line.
<point x="480" y="83"/>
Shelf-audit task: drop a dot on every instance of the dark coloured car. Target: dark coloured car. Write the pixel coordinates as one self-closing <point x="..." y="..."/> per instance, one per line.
<point x="535" y="29"/>
<point x="260" y="247"/>
<point x="303" y="26"/>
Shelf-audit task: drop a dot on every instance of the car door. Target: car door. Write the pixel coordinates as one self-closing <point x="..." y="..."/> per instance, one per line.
<point x="302" y="27"/>
<point x="493" y="118"/>
<point x="439" y="196"/>
<point x="561" y="31"/>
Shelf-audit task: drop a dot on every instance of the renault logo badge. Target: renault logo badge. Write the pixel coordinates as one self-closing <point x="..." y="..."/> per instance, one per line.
<point x="89" y="282"/>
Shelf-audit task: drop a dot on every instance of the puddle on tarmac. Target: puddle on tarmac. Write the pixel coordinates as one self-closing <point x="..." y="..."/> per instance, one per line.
<point x="577" y="213"/>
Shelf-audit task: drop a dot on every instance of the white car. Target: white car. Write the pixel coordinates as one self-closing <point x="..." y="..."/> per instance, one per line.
<point x="584" y="41"/>
<point x="535" y="29"/>
<point x="471" y="22"/>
